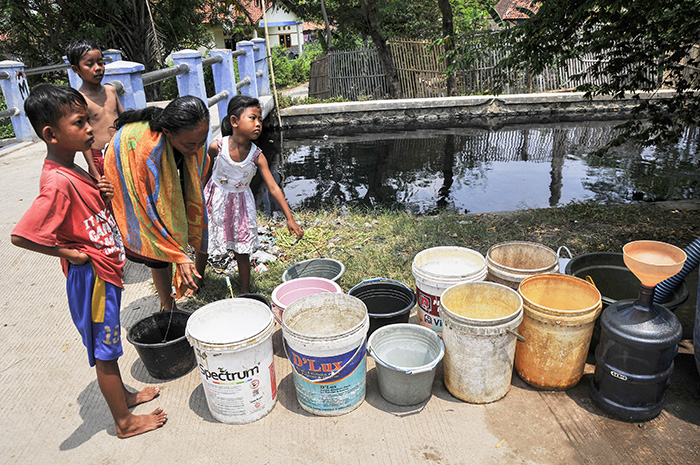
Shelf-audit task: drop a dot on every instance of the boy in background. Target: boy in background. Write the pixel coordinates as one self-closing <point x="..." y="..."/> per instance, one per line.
<point x="87" y="62"/>
<point x="69" y="220"/>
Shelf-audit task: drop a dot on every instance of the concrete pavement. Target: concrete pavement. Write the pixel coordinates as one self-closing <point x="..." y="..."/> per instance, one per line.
<point x="52" y="410"/>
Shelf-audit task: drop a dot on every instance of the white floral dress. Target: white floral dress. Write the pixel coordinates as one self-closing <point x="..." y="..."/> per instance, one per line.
<point x="230" y="203"/>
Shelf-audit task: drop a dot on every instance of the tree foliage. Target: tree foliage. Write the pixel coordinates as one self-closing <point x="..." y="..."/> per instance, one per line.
<point x="37" y="31"/>
<point x="637" y="45"/>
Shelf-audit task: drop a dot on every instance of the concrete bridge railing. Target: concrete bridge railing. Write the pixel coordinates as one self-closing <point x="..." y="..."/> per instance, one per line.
<point x="129" y="80"/>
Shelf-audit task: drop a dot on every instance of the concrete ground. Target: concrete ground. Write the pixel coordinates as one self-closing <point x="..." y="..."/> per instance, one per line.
<point x="52" y="410"/>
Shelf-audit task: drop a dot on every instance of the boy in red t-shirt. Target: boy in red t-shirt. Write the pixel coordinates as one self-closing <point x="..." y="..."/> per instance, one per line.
<point x="69" y="220"/>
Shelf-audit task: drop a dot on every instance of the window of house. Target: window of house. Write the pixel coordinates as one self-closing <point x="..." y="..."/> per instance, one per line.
<point x="286" y="40"/>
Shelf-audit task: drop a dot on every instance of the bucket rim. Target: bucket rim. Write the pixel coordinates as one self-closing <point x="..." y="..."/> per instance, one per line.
<point x="397" y="286"/>
<point x="275" y="292"/>
<point x="507" y="320"/>
<point x="363" y="324"/>
<point x="408" y="370"/>
<point x="261" y="334"/>
<point x="499" y="266"/>
<point x="286" y="278"/>
<point x="560" y="313"/>
<point x="157" y="345"/>
<point x="419" y="272"/>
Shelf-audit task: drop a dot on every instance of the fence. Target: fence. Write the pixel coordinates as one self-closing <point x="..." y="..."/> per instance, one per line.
<point x="422" y="73"/>
<point x="129" y="79"/>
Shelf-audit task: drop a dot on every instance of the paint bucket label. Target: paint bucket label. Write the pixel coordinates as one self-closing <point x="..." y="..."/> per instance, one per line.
<point x="239" y="387"/>
<point x="333" y="384"/>
<point x="429" y="310"/>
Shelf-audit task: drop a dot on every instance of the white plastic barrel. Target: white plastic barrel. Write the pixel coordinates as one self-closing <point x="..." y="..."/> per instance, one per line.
<point x="481" y="320"/>
<point x="438" y="268"/>
<point x="325" y="338"/>
<point x="233" y="347"/>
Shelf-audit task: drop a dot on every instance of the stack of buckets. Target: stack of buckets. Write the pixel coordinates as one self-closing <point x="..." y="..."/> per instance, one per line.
<point x="528" y="317"/>
<point x="533" y="319"/>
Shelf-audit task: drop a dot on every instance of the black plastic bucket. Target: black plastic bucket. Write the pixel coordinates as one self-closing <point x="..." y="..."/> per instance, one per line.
<point x="387" y="301"/>
<point x="258" y="297"/>
<point x="163" y="360"/>
<point x="607" y="272"/>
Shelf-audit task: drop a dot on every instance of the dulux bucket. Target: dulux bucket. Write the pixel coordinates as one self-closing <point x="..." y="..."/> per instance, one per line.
<point x="406" y="357"/>
<point x="160" y="342"/>
<point x="233" y="345"/>
<point x="480" y="332"/>
<point x="287" y="292"/>
<point x="510" y="262"/>
<point x="325" y="338"/>
<point x="388" y="301"/>
<point x="559" y="314"/>
<point x="438" y="268"/>
<point x="315" y="267"/>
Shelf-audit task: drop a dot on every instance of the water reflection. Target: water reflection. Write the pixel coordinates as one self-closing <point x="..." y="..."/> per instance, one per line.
<point x="476" y="171"/>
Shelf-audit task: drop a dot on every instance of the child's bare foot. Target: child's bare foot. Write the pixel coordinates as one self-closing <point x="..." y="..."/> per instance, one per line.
<point x="144" y="395"/>
<point x="138" y="424"/>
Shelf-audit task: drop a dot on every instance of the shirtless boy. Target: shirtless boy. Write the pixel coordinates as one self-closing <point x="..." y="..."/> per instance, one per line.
<point x="86" y="60"/>
<point x="69" y="220"/>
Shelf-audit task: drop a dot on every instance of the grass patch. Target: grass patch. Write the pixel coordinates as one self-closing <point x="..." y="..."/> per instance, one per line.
<point x="383" y="243"/>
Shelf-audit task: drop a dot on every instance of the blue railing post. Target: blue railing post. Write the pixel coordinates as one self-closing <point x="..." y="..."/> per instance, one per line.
<point x="261" y="67"/>
<point x="191" y="83"/>
<point x="113" y="53"/>
<point x="129" y="74"/>
<point x="73" y="78"/>
<point x="224" y="79"/>
<point x="246" y="68"/>
<point x="15" y="89"/>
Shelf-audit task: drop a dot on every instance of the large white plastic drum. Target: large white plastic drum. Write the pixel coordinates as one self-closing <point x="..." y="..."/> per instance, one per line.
<point x="233" y="346"/>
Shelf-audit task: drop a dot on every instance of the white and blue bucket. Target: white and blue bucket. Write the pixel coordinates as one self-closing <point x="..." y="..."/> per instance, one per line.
<point x="325" y="337"/>
<point x="233" y="347"/>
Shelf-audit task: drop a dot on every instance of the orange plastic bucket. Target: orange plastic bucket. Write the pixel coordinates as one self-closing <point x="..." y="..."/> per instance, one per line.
<point x="559" y="314"/>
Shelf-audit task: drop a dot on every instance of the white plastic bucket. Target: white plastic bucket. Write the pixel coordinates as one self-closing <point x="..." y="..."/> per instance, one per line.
<point x="481" y="320"/>
<point x="509" y="263"/>
<point x="233" y="347"/>
<point x="438" y="268"/>
<point x="325" y="339"/>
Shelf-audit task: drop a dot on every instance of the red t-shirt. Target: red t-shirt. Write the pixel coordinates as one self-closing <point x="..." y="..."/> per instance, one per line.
<point x="58" y="216"/>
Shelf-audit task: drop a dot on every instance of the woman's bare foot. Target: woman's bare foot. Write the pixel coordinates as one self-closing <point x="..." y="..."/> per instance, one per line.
<point x="138" y="424"/>
<point x="144" y="395"/>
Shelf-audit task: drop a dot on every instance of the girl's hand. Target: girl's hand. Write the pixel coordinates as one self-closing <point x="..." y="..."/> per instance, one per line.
<point x="106" y="189"/>
<point x="294" y="228"/>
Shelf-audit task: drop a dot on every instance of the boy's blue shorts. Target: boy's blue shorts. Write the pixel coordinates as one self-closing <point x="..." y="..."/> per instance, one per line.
<point x="94" y="306"/>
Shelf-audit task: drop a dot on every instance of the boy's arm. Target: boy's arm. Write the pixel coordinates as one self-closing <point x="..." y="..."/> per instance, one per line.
<point x="73" y="256"/>
<point x="113" y="91"/>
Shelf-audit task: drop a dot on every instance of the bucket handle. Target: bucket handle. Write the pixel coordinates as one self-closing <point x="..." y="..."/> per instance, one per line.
<point x="565" y="248"/>
<point x="374" y="355"/>
<point x="519" y="337"/>
<point x="374" y="280"/>
<point x="321" y="380"/>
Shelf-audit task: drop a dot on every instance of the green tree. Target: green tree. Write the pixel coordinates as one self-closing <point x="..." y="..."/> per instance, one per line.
<point x="37" y="31"/>
<point x="636" y="45"/>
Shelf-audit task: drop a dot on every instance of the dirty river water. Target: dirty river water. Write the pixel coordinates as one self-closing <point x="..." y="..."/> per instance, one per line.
<point x="468" y="170"/>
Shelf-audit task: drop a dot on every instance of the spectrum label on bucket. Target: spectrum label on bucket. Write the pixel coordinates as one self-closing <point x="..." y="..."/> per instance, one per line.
<point x="331" y="382"/>
<point x="237" y="390"/>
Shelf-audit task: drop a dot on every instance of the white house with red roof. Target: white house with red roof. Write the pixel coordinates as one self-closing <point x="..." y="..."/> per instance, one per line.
<point x="285" y="29"/>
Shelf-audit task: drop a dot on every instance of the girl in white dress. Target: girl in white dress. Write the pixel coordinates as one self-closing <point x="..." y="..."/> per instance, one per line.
<point x="229" y="199"/>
